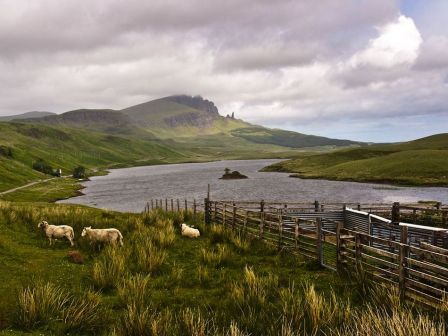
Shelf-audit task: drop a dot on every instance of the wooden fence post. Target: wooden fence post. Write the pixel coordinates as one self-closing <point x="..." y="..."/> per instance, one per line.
<point x="215" y="205"/>
<point x="316" y="206"/>
<point x="207" y="211"/>
<point x="261" y="224"/>
<point x="319" y="245"/>
<point x="280" y="230"/>
<point x="186" y="205"/>
<point x="262" y="206"/>
<point x="152" y="204"/>
<point x="338" y="247"/>
<point x="172" y="205"/>
<point x="233" y="216"/>
<point x="178" y="205"/>
<point x="296" y="232"/>
<point x="224" y="210"/>
<point x="358" y="250"/>
<point x="166" y="204"/>
<point x="194" y="208"/>
<point x="404" y="234"/>
<point x="370" y="228"/>
<point x="246" y="215"/>
<point x="395" y="212"/>
<point x="402" y="270"/>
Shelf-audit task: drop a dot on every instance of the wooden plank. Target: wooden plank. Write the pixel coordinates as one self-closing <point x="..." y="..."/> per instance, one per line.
<point x="380" y="252"/>
<point x="429" y="277"/>
<point x="438" y="292"/>
<point x="428" y="255"/>
<point x="380" y="261"/>
<point x="427" y="266"/>
<point x="419" y="295"/>
<point x="432" y="248"/>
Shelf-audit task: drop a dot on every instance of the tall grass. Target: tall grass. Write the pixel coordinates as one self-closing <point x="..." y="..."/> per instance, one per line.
<point x="38" y="303"/>
<point x="254" y="290"/>
<point x="148" y="257"/>
<point x="42" y="303"/>
<point x="401" y="322"/>
<point x="85" y="313"/>
<point x="133" y="290"/>
<point x="217" y="256"/>
<point x="109" y="268"/>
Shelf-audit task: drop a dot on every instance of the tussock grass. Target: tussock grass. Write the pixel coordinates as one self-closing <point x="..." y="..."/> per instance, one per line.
<point x="241" y="243"/>
<point x="109" y="268"/>
<point x="148" y="257"/>
<point x="85" y="313"/>
<point x="38" y="303"/>
<point x="133" y="290"/>
<point x="194" y="323"/>
<point x="254" y="290"/>
<point x="136" y="321"/>
<point x="216" y="257"/>
<point x="379" y="322"/>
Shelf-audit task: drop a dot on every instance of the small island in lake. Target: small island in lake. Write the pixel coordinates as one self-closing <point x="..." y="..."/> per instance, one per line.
<point x="235" y="175"/>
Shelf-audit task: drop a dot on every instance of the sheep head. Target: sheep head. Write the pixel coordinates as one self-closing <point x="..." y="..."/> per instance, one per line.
<point x="42" y="225"/>
<point x="84" y="230"/>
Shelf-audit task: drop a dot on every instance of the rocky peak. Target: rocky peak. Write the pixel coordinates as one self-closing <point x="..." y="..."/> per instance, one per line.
<point x="196" y="102"/>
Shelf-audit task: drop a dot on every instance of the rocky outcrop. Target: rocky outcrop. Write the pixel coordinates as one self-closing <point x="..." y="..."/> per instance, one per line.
<point x="196" y="102"/>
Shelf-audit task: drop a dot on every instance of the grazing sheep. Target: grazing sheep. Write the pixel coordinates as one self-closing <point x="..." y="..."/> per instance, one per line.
<point x="189" y="231"/>
<point x="57" y="232"/>
<point x="111" y="236"/>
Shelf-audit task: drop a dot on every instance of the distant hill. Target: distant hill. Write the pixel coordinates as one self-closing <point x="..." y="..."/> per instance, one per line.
<point x="109" y="121"/>
<point x="420" y="162"/>
<point x="188" y="119"/>
<point x="27" y="115"/>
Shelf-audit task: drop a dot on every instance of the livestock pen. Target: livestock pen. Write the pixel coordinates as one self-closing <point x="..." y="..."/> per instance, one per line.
<point x="368" y="238"/>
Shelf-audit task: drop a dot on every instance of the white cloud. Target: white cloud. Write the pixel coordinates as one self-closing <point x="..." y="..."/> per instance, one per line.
<point x="398" y="43"/>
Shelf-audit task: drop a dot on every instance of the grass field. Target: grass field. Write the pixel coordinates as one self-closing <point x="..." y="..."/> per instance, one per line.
<point x="419" y="162"/>
<point x="160" y="283"/>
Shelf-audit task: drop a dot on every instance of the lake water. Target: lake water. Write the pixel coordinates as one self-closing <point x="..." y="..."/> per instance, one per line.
<point x="129" y="189"/>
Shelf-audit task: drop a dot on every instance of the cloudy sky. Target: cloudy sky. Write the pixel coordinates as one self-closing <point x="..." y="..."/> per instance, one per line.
<point x="372" y="70"/>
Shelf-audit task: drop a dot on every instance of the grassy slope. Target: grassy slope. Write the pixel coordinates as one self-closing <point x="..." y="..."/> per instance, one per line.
<point x="420" y="162"/>
<point x="67" y="148"/>
<point x="26" y="256"/>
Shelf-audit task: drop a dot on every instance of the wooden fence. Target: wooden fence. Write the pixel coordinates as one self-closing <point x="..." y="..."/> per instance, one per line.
<point x="413" y="258"/>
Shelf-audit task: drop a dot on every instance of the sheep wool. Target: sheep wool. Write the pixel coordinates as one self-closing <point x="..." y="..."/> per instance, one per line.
<point x="189" y="231"/>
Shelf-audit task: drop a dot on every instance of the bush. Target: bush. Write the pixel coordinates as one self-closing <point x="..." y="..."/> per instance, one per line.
<point x="79" y="172"/>
<point x="6" y="151"/>
<point x="43" y="167"/>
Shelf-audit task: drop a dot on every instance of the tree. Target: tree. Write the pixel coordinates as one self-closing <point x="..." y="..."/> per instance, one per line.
<point x="79" y="172"/>
<point x="43" y="167"/>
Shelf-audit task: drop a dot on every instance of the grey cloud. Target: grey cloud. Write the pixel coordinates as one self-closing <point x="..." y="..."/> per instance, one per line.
<point x="272" y="62"/>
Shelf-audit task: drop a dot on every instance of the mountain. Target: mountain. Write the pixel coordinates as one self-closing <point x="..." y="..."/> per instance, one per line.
<point x="27" y="115"/>
<point x="109" y="121"/>
<point x="190" y="120"/>
<point x="420" y="162"/>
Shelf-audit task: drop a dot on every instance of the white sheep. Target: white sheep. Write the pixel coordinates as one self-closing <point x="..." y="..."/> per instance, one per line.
<point x="57" y="232"/>
<point x="189" y="231"/>
<point x="111" y="236"/>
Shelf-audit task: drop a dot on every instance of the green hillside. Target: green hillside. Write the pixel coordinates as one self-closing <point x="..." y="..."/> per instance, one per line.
<point x="419" y="162"/>
<point x="27" y="115"/>
<point x="68" y="147"/>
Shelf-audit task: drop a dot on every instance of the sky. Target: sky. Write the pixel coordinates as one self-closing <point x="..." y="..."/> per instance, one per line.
<point x="369" y="70"/>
